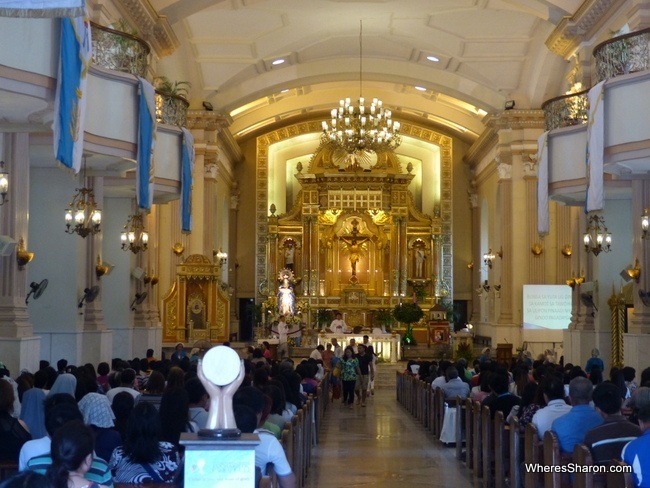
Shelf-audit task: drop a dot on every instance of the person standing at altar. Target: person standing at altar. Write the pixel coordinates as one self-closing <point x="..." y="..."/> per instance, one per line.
<point x="283" y="337"/>
<point x="338" y="325"/>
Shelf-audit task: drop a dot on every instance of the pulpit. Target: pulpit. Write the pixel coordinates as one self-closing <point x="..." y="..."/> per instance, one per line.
<point x="504" y="353"/>
<point x="197" y="306"/>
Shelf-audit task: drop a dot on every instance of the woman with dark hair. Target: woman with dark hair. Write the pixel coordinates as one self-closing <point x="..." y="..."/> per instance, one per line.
<point x="13" y="432"/>
<point x="103" y="369"/>
<point x="277" y="405"/>
<point x="154" y="389"/>
<point x="174" y="415"/>
<point x="175" y="378"/>
<point x="72" y="456"/>
<point x="596" y="376"/>
<point x="122" y="406"/>
<point x="144" y="458"/>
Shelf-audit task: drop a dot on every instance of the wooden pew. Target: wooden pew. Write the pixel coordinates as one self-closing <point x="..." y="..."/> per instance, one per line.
<point x="460" y="427"/>
<point x="7" y="469"/>
<point x="516" y="453"/>
<point x="582" y="457"/>
<point x="552" y="457"/>
<point x="296" y="465"/>
<point x="501" y="449"/>
<point x="532" y="456"/>
<point x="469" y="434"/>
<point x="477" y="432"/>
<point x="439" y="410"/>
<point x="487" y="428"/>
<point x="620" y="479"/>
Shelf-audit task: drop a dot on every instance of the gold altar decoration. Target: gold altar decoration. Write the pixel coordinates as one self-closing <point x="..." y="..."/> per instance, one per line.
<point x="197" y="304"/>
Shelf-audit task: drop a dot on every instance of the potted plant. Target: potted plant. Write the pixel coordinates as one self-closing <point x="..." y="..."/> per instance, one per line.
<point x="408" y="313"/>
<point x="324" y="317"/>
<point x="384" y="317"/>
<point x="167" y="87"/>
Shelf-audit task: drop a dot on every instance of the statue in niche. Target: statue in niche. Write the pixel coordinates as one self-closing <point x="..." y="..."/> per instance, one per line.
<point x="286" y="296"/>
<point x="289" y="252"/>
<point x="420" y="258"/>
<point x="354" y="247"/>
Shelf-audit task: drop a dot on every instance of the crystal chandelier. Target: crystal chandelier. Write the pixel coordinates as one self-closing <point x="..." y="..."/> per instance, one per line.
<point x="597" y="239"/>
<point x="361" y="127"/>
<point x="83" y="217"/>
<point x="135" y="237"/>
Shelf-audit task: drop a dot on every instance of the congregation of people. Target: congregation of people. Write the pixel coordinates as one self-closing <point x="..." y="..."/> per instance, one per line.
<point x="610" y="416"/>
<point x="91" y="427"/>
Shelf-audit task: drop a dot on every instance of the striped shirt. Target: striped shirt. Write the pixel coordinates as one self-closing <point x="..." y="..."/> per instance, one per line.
<point x="98" y="472"/>
<point x="608" y="439"/>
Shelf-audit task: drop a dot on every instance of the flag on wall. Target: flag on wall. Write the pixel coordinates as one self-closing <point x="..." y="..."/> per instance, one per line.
<point x="595" y="148"/>
<point x="187" y="171"/>
<point x="542" y="184"/>
<point x="71" y="95"/>
<point x="42" y="8"/>
<point x="144" y="174"/>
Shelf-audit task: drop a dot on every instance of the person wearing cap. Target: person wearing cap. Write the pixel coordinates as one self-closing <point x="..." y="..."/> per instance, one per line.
<point x="608" y="439"/>
<point x="636" y="453"/>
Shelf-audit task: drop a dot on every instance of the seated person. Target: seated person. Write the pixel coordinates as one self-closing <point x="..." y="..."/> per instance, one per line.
<point x="572" y="427"/>
<point x="455" y="387"/>
<point x="269" y="450"/>
<point x="13" y="432"/>
<point x="500" y="398"/>
<point x="338" y="325"/>
<point x="553" y="389"/>
<point x="637" y="452"/>
<point x="608" y="439"/>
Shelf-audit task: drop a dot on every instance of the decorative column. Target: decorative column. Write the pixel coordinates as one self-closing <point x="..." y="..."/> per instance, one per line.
<point x="211" y="172"/>
<point x="640" y="323"/>
<point x="233" y="263"/>
<point x="198" y="186"/>
<point x="475" y="271"/>
<point x="20" y="348"/>
<point x="504" y="211"/>
<point x="537" y="256"/>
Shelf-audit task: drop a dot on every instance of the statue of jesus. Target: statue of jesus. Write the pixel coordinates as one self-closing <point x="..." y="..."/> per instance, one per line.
<point x="354" y="248"/>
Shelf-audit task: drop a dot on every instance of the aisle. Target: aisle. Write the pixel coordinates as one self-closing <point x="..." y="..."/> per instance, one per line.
<point x="380" y="445"/>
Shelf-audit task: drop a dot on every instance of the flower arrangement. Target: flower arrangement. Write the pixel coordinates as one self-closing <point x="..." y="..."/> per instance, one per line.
<point x="464" y="350"/>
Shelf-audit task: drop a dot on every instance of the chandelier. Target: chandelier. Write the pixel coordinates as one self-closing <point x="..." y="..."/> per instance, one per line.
<point x="597" y="239"/>
<point x="83" y="217"/>
<point x="135" y="237"/>
<point x="361" y="127"/>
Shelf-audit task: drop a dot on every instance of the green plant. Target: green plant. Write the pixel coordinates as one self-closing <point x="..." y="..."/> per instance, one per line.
<point x="167" y="87"/>
<point x="464" y="350"/>
<point x="323" y="317"/>
<point x="384" y="317"/>
<point x="408" y="313"/>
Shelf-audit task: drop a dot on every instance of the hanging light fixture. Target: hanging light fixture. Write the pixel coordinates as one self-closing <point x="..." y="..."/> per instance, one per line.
<point x="362" y="127"/>
<point x="597" y="239"/>
<point x="135" y="237"/>
<point x="4" y="183"/>
<point x="645" y="223"/>
<point x="83" y="217"/>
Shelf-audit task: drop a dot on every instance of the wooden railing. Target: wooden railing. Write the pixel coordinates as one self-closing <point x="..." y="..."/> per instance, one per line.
<point x="495" y="452"/>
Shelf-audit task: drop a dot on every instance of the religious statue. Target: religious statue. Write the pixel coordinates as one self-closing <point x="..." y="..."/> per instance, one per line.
<point x="289" y="251"/>
<point x="286" y="297"/>
<point x="420" y="257"/>
<point x="354" y="243"/>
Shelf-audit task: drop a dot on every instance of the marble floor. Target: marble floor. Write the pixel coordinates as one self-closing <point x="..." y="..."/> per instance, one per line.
<point x="381" y="445"/>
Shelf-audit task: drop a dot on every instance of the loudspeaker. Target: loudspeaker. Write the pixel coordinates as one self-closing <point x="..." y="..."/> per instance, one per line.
<point x="138" y="273"/>
<point x="7" y="245"/>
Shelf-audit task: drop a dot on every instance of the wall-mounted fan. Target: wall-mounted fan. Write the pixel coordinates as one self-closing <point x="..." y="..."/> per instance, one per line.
<point x="139" y="298"/>
<point x="645" y="297"/>
<point x="587" y="300"/>
<point x="37" y="290"/>
<point x="89" y="295"/>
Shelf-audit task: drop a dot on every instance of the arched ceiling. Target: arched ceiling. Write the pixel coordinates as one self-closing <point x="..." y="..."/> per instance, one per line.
<point x="488" y="51"/>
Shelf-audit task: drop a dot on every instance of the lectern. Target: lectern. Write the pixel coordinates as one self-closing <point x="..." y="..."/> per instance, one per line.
<point x="504" y="353"/>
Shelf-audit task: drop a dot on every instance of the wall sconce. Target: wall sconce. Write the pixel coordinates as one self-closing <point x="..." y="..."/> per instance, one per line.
<point x="486" y="286"/>
<point x="150" y="279"/>
<point x="635" y="272"/>
<point x="470" y="265"/>
<point x="537" y="249"/>
<point x="23" y="256"/>
<point x="645" y="221"/>
<point x="488" y="257"/>
<point x="597" y="239"/>
<point x="567" y="251"/>
<point x="497" y="287"/>
<point x="178" y="249"/>
<point x="220" y="257"/>
<point x="4" y="183"/>
<point x="576" y="280"/>
<point x="100" y="268"/>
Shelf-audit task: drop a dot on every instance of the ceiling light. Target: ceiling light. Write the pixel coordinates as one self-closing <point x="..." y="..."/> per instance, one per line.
<point x="4" y="183"/>
<point x="277" y="62"/>
<point x="420" y="88"/>
<point x="134" y="237"/>
<point x="433" y="58"/>
<point x="284" y="91"/>
<point x="361" y="127"/>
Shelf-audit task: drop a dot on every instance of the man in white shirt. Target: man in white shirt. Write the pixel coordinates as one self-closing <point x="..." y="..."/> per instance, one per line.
<point x="553" y="388"/>
<point x="338" y="325"/>
<point x="317" y="353"/>
<point x="127" y="379"/>
<point x="338" y="352"/>
<point x="283" y="335"/>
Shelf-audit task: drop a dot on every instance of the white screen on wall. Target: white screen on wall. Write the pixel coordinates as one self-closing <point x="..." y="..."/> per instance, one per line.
<point x="547" y="307"/>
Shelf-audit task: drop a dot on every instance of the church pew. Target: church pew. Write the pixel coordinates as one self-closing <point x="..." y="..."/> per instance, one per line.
<point x="620" y="479"/>
<point x="477" y="432"/>
<point x="501" y="449"/>
<point x="8" y="468"/>
<point x="469" y="434"/>
<point x="427" y="405"/>
<point x="516" y="453"/>
<point x="487" y="434"/>
<point x="551" y="452"/>
<point x="439" y="410"/>
<point x="532" y="456"/>
<point x="296" y="465"/>
<point x="582" y="457"/>
<point x="460" y="427"/>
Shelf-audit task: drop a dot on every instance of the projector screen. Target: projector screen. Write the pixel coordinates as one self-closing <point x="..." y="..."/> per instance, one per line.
<point x="547" y="307"/>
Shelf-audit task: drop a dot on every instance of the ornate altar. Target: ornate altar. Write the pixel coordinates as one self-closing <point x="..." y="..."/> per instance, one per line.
<point x="356" y="238"/>
<point x="196" y="307"/>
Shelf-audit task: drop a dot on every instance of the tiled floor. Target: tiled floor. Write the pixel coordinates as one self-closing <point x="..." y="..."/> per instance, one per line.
<point x="381" y="445"/>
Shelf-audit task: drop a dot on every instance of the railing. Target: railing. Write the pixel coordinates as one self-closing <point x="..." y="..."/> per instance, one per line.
<point x="119" y="51"/>
<point x="567" y="110"/>
<point x="622" y="55"/>
<point x="171" y="109"/>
